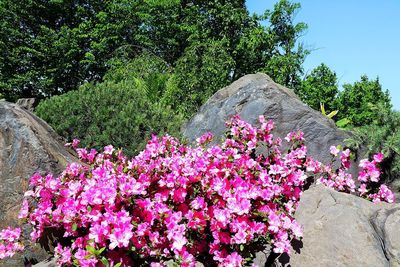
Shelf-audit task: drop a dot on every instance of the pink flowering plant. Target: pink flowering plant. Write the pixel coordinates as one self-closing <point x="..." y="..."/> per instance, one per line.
<point x="369" y="185"/>
<point x="209" y="203"/>
<point x="9" y="242"/>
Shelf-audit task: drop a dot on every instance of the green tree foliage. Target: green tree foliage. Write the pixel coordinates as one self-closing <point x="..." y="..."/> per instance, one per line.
<point x="285" y="59"/>
<point x="51" y="47"/>
<point x="358" y="101"/>
<point x="124" y="110"/>
<point x="203" y="69"/>
<point x="382" y="135"/>
<point x="320" y="86"/>
<point x="211" y="43"/>
<point x="171" y="27"/>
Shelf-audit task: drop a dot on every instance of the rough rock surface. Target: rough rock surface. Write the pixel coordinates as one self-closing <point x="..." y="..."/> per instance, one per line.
<point x="46" y="263"/>
<point x="27" y="103"/>
<point x="339" y="229"/>
<point x="27" y="145"/>
<point x="256" y="94"/>
<point x="344" y="230"/>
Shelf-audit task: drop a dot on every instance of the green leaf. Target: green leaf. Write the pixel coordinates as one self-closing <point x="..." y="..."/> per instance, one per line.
<point x="322" y="108"/>
<point x="74" y="227"/>
<point x="100" y="250"/>
<point x="343" y="122"/>
<point x="91" y="249"/>
<point x="105" y="261"/>
<point x="332" y="114"/>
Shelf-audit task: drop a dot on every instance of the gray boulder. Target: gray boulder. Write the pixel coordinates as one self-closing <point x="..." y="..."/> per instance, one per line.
<point x="257" y="94"/>
<point x="339" y="229"/>
<point x="27" y="145"/>
<point x="345" y="230"/>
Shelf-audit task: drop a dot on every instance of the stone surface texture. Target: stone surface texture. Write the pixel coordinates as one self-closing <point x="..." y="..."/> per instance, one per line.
<point x="46" y="263"/>
<point x="27" y="103"/>
<point x="27" y="145"/>
<point x="339" y="229"/>
<point x="345" y="230"/>
<point x="256" y="94"/>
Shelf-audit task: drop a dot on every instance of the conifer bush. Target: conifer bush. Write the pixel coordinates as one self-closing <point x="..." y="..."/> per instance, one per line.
<point x="125" y="109"/>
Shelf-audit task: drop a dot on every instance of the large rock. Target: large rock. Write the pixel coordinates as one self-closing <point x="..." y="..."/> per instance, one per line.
<point x="339" y="229"/>
<point x="257" y="94"/>
<point x="27" y="145"/>
<point x="345" y="230"/>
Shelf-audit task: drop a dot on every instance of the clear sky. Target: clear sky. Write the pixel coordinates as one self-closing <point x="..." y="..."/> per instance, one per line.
<point x="352" y="37"/>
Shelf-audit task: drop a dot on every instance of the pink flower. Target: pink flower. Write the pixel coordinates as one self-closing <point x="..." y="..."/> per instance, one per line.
<point x="179" y="241"/>
<point x="198" y="203"/>
<point x="173" y="201"/>
<point x="345" y="158"/>
<point x="10" y="235"/>
<point x="75" y="143"/>
<point x="24" y="209"/>
<point x="378" y="158"/>
<point x="334" y="151"/>
<point x="108" y="150"/>
<point x="204" y="139"/>
<point x="240" y="237"/>
<point x="233" y="260"/>
<point x="179" y="195"/>
<point x="363" y="189"/>
<point x="63" y="255"/>
<point x="274" y="222"/>
<point x="222" y="215"/>
<point x="296" y="229"/>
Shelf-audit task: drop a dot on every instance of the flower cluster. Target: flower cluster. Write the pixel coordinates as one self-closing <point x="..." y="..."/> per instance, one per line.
<point x="182" y="203"/>
<point x="9" y="244"/>
<point x="368" y="177"/>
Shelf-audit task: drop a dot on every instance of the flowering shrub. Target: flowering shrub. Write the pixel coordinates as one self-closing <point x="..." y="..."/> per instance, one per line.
<point x="9" y="242"/>
<point x="368" y="178"/>
<point x="186" y="204"/>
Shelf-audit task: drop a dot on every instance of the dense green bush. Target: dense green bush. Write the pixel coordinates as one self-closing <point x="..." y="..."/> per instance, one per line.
<point x="123" y="110"/>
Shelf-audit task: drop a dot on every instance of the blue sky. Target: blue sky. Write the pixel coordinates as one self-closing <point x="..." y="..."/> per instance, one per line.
<point x="352" y="37"/>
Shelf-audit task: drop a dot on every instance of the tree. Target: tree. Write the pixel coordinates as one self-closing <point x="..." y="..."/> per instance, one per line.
<point x="51" y="47"/>
<point x="286" y="55"/>
<point x="199" y="73"/>
<point x="320" y="86"/>
<point x="358" y="101"/>
<point x="170" y="27"/>
<point x="212" y="43"/>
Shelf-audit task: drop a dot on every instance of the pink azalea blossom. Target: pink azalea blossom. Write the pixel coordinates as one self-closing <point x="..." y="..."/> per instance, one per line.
<point x="175" y="202"/>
